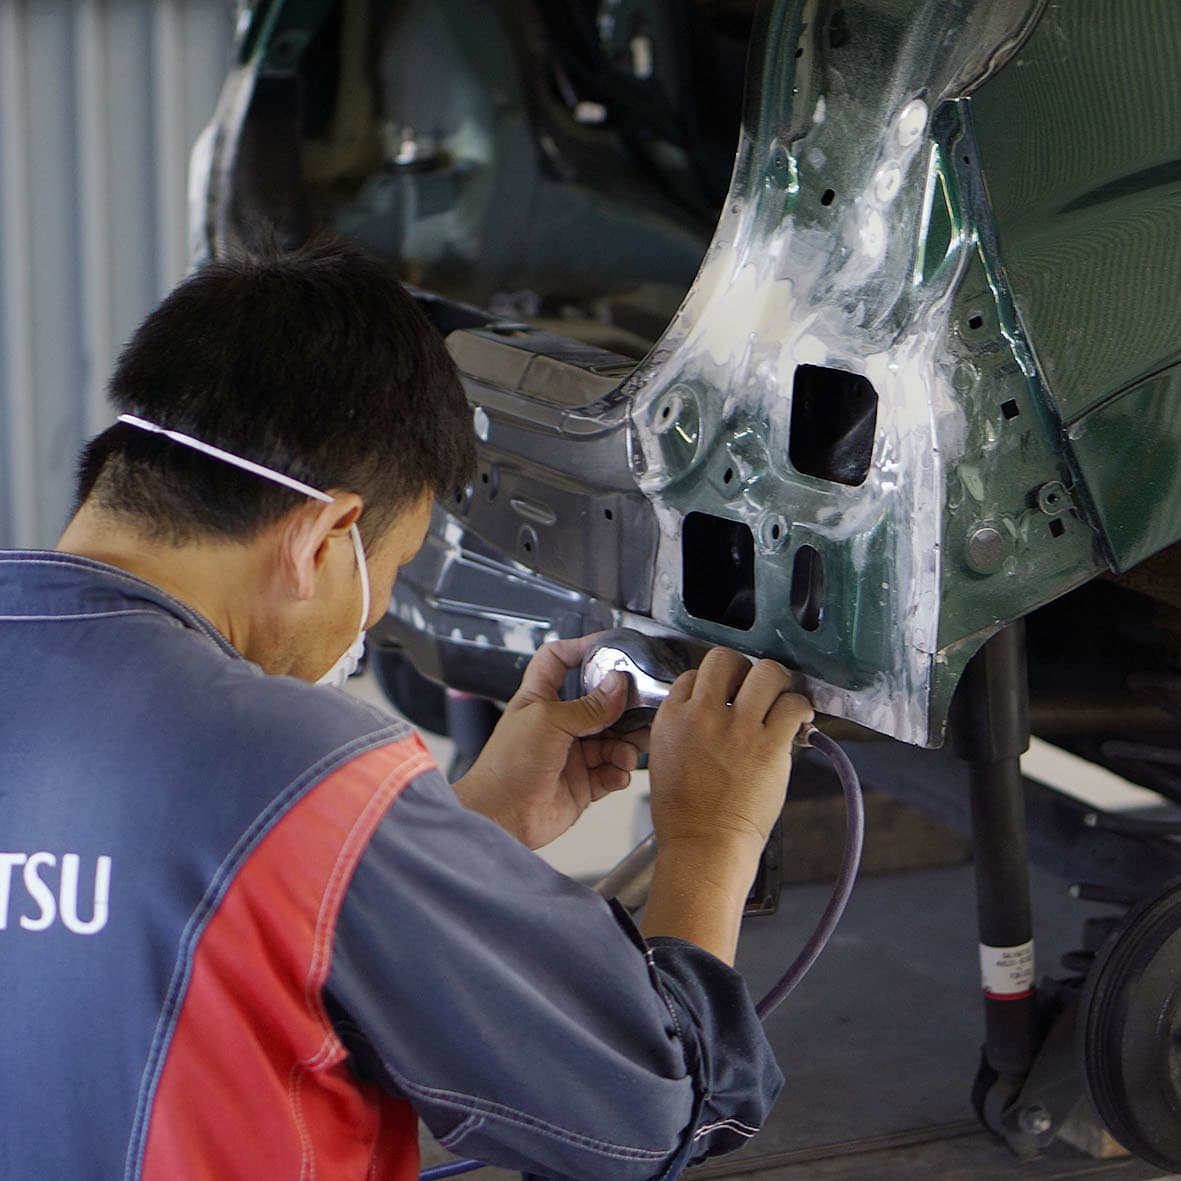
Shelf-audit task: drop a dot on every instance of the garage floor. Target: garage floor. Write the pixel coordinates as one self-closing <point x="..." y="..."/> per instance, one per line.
<point x="880" y="1043"/>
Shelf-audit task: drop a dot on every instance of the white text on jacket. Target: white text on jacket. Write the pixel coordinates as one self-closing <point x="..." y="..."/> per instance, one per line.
<point x="42" y="908"/>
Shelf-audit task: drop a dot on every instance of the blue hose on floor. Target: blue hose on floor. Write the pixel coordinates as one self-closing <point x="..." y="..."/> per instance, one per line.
<point x="817" y="941"/>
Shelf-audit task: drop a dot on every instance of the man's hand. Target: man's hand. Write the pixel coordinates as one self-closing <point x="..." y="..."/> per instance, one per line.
<point x="721" y="750"/>
<point x="548" y="760"/>
<point x="720" y="760"/>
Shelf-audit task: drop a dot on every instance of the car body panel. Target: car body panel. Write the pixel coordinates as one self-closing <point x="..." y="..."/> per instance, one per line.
<point x="924" y="381"/>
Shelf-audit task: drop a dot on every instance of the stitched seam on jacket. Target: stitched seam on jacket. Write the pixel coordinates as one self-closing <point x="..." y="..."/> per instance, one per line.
<point x="379" y="801"/>
<point x="472" y="1103"/>
<point x="331" y="1048"/>
<point x="78" y="615"/>
<point x="141" y="584"/>
<point x="733" y="1125"/>
<point x="207" y="907"/>
<point x="307" y="1160"/>
<point x="461" y="1129"/>
<point x="665" y="995"/>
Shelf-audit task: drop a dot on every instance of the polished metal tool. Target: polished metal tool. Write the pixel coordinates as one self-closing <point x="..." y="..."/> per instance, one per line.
<point x="652" y="664"/>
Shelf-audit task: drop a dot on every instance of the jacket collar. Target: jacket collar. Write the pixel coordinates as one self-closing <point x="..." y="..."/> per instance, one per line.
<point x="45" y="585"/>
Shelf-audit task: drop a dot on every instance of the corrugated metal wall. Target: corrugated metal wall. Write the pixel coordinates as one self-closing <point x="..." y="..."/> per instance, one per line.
<point x="100" y="101"/>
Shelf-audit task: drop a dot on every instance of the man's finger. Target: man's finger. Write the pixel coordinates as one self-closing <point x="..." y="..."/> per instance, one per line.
<point x="609" y="750"/>
<point x="762" y="686"/>
<point x="618" y="753"/>
<point x="639" y="740"/>
<point x="719" y="676"/>
<point x="787" y="714"/>
<point x="683" y="686"/>
<point x="606" y="779"/>
<point x="550" y="665"/>
<point x="593" y="713"/>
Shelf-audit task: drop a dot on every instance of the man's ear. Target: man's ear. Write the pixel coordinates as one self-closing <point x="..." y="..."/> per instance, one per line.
<point x="306" y="537"/>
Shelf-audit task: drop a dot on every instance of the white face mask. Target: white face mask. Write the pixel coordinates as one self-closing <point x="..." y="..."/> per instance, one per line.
<point x="351" y="657"/>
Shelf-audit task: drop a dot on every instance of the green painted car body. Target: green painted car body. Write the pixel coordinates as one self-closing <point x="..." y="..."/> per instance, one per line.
<point x="927" y="377"/>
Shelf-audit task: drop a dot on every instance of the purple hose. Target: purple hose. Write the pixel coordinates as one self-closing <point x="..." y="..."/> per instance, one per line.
<point x="854" y="839"/>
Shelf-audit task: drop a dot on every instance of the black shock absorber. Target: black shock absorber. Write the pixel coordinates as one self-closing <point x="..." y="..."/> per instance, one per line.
<point x="990" y="727"/>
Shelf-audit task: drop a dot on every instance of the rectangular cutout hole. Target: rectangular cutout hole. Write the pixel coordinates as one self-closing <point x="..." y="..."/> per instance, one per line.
<point x="807" y="588"/>
<point x="833" y="417"/>
<point x="1056" y="527"/>
<point x="1010" y="409"/>
<point x="718" y="570"/>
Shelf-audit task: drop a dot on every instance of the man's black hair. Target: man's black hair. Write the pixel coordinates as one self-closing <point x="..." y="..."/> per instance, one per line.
<point x="314" y="362"/>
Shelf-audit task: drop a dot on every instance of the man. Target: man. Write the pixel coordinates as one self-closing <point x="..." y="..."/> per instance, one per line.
<point x="246" y="928"/>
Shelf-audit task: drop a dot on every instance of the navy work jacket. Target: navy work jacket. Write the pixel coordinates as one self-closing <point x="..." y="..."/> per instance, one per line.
<point x="247" y="930"/>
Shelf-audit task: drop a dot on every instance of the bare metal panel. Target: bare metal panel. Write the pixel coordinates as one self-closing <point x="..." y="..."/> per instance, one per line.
<point x="99" y="103"/>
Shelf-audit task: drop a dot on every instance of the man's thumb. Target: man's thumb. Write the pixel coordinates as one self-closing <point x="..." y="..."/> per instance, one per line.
<point x="602" y="706"/>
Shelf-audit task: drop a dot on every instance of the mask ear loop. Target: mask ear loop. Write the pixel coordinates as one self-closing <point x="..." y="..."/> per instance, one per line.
<point x="363" y="569"/>
<point x="258" y="469"/>
<point x="247" y="465"/>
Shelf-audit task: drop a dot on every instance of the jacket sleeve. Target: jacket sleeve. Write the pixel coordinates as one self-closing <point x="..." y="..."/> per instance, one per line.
<point x="525" y="1018"/>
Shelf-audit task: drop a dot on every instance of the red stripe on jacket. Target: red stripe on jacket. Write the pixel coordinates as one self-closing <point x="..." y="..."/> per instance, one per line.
<point x="256" y="1082"/>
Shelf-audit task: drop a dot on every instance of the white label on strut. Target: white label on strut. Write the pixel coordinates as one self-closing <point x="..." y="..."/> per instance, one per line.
<point x="1007" y="972"/>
